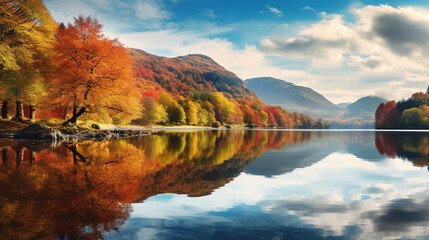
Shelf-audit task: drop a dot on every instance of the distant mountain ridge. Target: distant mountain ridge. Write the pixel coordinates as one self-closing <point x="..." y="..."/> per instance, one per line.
<point x="364" y="107"/>
<point x="343" y="105"/>
<point x="359" y="114"/>
<point x="290" y="96"/>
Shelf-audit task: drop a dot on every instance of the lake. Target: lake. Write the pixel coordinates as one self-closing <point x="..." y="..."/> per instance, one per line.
<point x="232" y="184"/>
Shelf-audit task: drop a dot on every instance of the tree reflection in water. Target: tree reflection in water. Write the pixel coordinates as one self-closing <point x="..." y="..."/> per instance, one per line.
<point x="411" y="146"/>
<point x="83" y="190"/>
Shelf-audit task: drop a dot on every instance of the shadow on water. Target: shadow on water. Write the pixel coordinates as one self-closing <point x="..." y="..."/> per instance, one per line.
<point x="84" y="190"/>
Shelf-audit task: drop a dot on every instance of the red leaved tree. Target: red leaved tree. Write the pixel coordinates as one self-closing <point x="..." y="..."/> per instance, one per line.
<point x="386" y="115"/>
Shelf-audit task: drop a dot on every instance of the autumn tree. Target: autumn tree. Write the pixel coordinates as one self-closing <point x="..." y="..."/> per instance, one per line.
<point x="223" y="107"/>
<point x="153" y="112"/>
<point x="387" y="115"/>
<point x="191" y="111"/>
<point x="93" y="74"/>
<point x="26" y="32"/>
<point x="206" y="114"/>
<point x="175" y="111"/>
<point x="249" y="115"/>
<point x="264" y="118"/>
<point x="412" y="118"/>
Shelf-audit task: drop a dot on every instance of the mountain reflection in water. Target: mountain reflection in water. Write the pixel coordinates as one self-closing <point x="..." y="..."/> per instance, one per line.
<point x="217" y="184"/>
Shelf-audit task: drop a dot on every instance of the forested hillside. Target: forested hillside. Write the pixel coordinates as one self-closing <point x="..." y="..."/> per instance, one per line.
<point x="186" y="74"/>
<point x="205" y="92"/>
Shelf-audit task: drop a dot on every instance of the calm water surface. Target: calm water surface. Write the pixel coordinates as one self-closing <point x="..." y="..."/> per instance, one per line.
<point x="219" y="185"/>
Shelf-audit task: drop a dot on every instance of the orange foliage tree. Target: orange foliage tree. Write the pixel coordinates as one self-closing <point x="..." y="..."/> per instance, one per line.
<point x="93" y="74"/>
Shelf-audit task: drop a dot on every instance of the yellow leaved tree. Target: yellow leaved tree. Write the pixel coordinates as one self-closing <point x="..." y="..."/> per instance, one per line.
<point x="26" y="35"/>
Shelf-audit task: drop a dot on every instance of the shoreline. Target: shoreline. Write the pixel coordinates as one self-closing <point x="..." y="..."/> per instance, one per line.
<point x="44" y="132"/>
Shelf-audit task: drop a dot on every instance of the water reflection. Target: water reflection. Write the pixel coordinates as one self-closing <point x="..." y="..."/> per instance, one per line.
<point x="217" y="185"/>
<point x="409" y="146"/>
<point x="318" y="145"/>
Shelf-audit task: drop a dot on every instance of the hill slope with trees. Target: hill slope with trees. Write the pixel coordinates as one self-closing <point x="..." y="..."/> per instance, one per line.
<point x="206" y="92"/>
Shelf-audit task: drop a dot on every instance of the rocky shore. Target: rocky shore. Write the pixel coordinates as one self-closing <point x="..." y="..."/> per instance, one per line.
<point x="40" y="131"/>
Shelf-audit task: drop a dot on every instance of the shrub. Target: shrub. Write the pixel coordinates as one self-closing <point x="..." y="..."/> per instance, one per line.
<point x="216" y="124"/>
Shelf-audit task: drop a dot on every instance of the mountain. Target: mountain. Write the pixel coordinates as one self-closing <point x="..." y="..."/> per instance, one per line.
<point x="359" y="114"/>
<point x="182" y="75"/>
<point x="195" y="90"/>
<point x="290" y="96"/>
<point x="364" y="107"/>
<point x="343" y="105"/>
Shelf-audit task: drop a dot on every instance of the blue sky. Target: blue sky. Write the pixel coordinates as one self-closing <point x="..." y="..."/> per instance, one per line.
<point x="342" y="49"/>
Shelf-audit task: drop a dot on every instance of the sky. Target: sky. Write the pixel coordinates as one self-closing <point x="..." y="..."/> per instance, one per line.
<point x="342" y="49"/>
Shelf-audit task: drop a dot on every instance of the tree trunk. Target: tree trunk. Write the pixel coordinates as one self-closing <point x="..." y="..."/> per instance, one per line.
<point x="5" y="109"/>
<point x="19" y="111"/>
<point x="32" y="157"/>
<point x="65" y="114"/>
<point x="74" y="117"/>
<point x="19" y="155"/>
<point x="5" y="156"/>
<point x="76" y="154"/>
<point x="32" y="112"/>
<point x="74" y="114"/>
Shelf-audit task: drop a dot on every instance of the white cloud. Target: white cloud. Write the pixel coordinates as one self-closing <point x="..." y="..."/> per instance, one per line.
<point x="308" y="8"/>
<point x="385" y="41"/>
<point x="116" y="16"/>
<point x="275" y="11"/>
<point x="381" y="32"/>
<point x="151" y="10"/>
<point x="64" y="11"/>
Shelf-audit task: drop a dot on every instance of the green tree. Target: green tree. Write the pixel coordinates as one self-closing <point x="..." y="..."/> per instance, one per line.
<point x="178" y="115"/>
<point x="412" y="118"/>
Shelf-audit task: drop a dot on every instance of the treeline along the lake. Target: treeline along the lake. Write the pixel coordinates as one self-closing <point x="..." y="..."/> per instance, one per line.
<point x="412" y="113"/>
